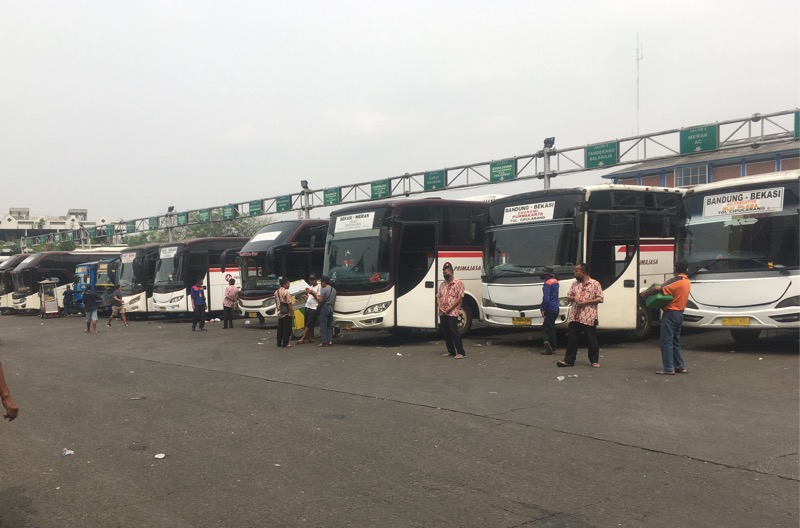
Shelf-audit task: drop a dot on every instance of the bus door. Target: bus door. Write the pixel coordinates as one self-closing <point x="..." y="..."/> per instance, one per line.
<point x="415" y="289"/>
<point x="613" y="259"/>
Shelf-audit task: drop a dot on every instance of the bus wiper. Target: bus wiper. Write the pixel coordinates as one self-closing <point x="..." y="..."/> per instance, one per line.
<point x="511" y="269"/>
<point x="708" y="265"/>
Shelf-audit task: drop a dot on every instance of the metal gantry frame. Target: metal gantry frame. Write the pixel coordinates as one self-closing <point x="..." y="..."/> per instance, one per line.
<point x="544" y="164"/>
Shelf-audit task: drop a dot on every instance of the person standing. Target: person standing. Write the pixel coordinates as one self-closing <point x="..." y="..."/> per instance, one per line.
<point x="326" y="298"/>
<point x="584" y="294"/>
<point x="68" y="298"/>
<point x="198" y="293"/>
<point x="283" y="305"/>
<point x="312" y="304"/>
<point x="672" y="319"/>
<point x="12" y="411"/>
<point x="91" y="302"/>
<point x="448" y="301"/>
<point x="549" y="309"/>
<point x="117" y="306"/>
<point x="231" y="296"/>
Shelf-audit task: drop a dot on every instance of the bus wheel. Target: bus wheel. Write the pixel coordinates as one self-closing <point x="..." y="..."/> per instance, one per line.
<point x="745" y="337"/>
<point x="464" y="320"/>
<point x="644" y="324"/>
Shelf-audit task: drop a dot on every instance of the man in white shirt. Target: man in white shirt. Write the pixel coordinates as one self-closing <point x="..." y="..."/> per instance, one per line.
<point x="311" y="310"/>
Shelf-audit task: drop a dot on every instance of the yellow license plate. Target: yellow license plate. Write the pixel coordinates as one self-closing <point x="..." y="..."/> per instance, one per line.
<point x="735" y="321"/>
<point x="344" y="325"/>
<point x="521" y="321"/>
<point x="162" y="308"/>
<point x="252" y="315"/>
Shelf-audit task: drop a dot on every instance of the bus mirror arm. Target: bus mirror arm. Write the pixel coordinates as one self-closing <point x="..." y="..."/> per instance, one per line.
<point x="578" y="219"/>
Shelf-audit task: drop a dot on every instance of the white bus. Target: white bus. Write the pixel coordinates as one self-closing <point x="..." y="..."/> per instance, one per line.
<point x="740" y="238"/>
<point x="624" y="233"/>
<point x="181" y="264"/>
<point x="384" y="259"/>
<point x="6" y="283"/>
<point x="136" y="275"/>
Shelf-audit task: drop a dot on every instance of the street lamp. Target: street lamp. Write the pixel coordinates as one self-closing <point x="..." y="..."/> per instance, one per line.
<point x="305" y="198"/>
<point x="170" y="215"/>
<point x="549" y="143"/>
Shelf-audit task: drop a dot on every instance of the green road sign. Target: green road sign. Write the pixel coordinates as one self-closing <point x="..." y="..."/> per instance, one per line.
<point x="602" y="155"/>
<point x="283" y="204"/>
<point x="228" y="212"/>
<point x="40" y="240"/>
<point x="797" y="124"/>
<point x="130" y="227"/>
<point x="204" y="216"/>
<point x="92" y="232"/>
<point x="380" y="189"/>
<point x="699" y="139"/>
<point x="152" y="223"/>
<point x="332" y="196"/>
<point x="110" y="230"/>
<point x="255" y="208"/>
<point x="435" y="180"/>
<point x="183" y="218"/>
<point x="71" y="235"/>
<point x="56" y="237"/>
<point x="503" y="170"/>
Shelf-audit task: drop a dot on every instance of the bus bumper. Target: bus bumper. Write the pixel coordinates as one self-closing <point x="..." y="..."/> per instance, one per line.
<point x="513" y="318"/>
<point x="776" y="318"/>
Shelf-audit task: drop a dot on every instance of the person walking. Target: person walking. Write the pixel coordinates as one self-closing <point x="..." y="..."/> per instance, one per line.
<point x="12" y="411"/>
<point x="91" y="302"/>
<point x="68" y="297"/>
<point x="448" y="301"/>
<point x="117" y="306"/>
<point x="312" y="304"/>
<point x="283" y="304"/>
<point x="326" y="298"/>
<point x="672" y="319"/>
<point x="584" y="294"/>
<point x="549" y="309"/>
<point x="198" y="293"/>
<point x="230" y="297"/>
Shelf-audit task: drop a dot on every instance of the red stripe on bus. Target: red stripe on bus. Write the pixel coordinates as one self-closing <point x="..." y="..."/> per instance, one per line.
<point x="650" y="248"/>
<point x="461" y="254"/>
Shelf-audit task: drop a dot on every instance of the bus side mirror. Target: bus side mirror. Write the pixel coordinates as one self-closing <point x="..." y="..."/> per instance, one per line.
<point x="578" y="219"/>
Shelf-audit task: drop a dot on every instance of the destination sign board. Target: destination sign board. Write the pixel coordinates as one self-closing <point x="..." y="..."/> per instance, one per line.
<point x="503" y="170"/>
<point x="602" y="155"/>
<point x="435" y="180"/>
<point x="533" y="212"/>
<point x="699" y="139"/>
<point x="183" y="219"/>
<point x="152" y="223"/>
<point x="380" y="189"/>
<point x="354" y="222"/>
<point x="331" y="196"/>
<point x="228" y="212"/>
<point x="204" y="216"/>
<point x="255" y="208"/>
<point x="283" y="204"/>
<point x="744" y="202"/>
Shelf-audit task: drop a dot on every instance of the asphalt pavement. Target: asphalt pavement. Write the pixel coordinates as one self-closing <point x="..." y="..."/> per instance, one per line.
<point x="383" y="431"/>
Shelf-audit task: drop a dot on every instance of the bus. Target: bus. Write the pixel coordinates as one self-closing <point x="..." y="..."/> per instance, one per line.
<point x="384" y="260"/>
<point x="101" y="276"/>
<point x="55" y="265"/>
<point x="740" y="238"/>
<point x="292" y="249"/>
<point x="181" y="264"/>
<point x="136" y="275"/>
<point x="625" y="234"/>
<point x="6" y="283"/>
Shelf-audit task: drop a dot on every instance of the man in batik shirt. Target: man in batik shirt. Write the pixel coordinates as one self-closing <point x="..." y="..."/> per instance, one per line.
<point x="585" y="294"/>
<point x="448" y="301"/>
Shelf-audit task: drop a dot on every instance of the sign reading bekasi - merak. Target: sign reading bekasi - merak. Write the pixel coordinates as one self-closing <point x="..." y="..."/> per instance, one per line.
<point x="744" y="202"/>
<point x="354" y="222"/>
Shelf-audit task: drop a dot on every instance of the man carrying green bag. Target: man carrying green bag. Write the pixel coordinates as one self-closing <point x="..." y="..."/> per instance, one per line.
<point x="671" y="297"/>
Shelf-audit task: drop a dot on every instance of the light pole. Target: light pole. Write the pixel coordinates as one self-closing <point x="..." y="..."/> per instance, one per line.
<point x="306" y="204"/>
<point x="549" y="143"/>
<point x="170" y="215"/>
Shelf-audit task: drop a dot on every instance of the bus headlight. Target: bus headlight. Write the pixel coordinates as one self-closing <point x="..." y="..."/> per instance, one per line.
<point x="488" y="303"/>
<point x="179" y="298"/>
<point x="790" y="301"/>
<point x="269" y="303"/>
<point x="562" y="301"/>
<point x="691" y="305"/>
<point x="135" y="299"/>
<point x="378" y="308"/>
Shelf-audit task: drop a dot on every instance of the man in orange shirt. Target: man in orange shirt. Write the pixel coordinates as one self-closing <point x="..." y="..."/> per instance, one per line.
<point x="672" y="319"/>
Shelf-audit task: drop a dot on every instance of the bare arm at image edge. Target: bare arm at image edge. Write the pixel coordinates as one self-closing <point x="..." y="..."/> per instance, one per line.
<point x="12" y="411"/>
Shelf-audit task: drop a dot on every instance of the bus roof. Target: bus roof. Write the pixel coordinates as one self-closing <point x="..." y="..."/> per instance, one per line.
<point x="404" y="202"/>
<point x="142" y="247"/>
<point x="12" y="261"/>
<point x="775" y="177"/>
<point x="279" y="233"/>
<point x="590" y="188"/>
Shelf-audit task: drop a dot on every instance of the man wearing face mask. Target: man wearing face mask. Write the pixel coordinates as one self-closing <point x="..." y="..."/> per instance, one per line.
<point x="448" y="301"/>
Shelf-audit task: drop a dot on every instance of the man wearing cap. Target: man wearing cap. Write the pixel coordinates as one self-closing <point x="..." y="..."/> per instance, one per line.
<point x="448" y="301"/>
<point x="549" y="309"/>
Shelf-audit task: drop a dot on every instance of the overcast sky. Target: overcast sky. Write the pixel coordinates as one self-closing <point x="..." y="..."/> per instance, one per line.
<point x="125" y="108"/>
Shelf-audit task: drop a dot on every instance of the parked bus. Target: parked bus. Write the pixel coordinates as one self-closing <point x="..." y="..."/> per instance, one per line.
<point x="625" y="234"/>
<point x="292" y="249"/>
<point x="6" y="283"/>
<point x="55" y="265"/>
<point x="384" y="259"/>
<point x="136" y="275"/>
<point x="100" y="275"/>
<point x="740" y="238"/>
<point x="181" y="264"/>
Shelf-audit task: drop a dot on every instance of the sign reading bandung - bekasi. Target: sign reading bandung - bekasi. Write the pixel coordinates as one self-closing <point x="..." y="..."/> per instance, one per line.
<point x="741" y="202"/>
<point x="535" y="212"/>
<point x="354" y="222"/>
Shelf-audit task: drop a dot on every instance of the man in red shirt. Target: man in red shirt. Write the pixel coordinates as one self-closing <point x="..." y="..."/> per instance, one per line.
<point x="448" y="301"/>
<point x="672" y="319"/>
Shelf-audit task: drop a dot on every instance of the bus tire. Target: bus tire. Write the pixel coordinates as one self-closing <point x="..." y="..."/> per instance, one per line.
<point x="747" y="336"/>
<point x="644" y="323"/>
<point x="465" y="317"/>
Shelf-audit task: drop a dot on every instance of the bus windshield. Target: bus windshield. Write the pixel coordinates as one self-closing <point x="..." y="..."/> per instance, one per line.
<point x="170" y="272"/>
<point x="105" y="276"/>
<point x="22" y="281"/>
<point x="130" y="273"/>
<point x="522" y="250"/>
<point x="257" y="271"/>
<point x="719" y="243"/>
<point x="359" y="261"/>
